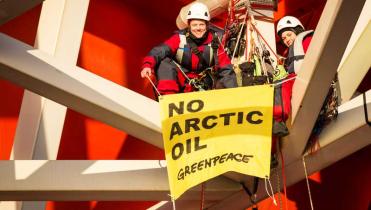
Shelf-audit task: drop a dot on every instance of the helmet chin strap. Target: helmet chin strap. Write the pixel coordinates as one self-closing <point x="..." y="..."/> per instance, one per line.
<point x="196" y="40"/>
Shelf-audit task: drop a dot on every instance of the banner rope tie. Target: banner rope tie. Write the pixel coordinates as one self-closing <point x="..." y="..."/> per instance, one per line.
<point x="172" y="201"/>
<point x="271" y="188"/>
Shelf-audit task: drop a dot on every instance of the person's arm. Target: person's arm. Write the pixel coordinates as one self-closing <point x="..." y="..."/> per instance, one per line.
<point x="226" y="75"/>
<point x="158" y="53"/>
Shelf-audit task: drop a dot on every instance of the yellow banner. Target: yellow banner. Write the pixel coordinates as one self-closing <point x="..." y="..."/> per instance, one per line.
<point x="212" y="132"/>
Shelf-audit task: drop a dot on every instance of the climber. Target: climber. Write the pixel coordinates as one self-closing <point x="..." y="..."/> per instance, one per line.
<point x="292" y="34"/>
<point x="189" y="55"/>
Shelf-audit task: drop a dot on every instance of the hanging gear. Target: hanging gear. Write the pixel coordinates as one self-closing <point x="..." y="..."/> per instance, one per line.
<point x="288" y="22"/>
<point x="257" y="68"/>
<point x="328" y="113"/>
<point x="204" y="81"/>
<point x="198" y="10"/>
<point x="232" y="45"/>
<point x="279" y="73"/>
<point x="251" y="73"/>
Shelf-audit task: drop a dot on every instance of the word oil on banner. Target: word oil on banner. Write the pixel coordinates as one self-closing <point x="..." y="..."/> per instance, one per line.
<point x="212" y="132"/>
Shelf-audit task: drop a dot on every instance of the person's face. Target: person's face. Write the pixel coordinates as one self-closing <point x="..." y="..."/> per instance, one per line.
<point x="288" y="37"/>
<point x="197" y="27"/>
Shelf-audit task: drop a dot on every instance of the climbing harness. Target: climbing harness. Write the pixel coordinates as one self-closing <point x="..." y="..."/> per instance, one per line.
<point x="186" y="42"/>
<point x="204" y="81"/>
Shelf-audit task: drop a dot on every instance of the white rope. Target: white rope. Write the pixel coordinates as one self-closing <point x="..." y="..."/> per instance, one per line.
<point x="181" y="70"/>
<point x="289" y="79"/>
<point x="308" y="187"/>
<point x="271" y="188"/>
<point x="262" y="47"/>
<point x="154" y="86"/>
<point x="284" y="81"/>
<point x="172" y="201"/>
<point x="190" y="81"/>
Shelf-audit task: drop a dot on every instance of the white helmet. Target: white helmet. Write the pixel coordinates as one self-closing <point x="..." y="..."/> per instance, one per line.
<point x="288" y="22"/>
<point x="198" y="10"/>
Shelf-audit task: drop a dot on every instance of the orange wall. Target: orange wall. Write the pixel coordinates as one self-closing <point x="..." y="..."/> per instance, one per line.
<point x="116" y="37"/>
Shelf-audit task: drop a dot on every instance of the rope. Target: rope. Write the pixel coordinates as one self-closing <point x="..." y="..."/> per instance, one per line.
<point x="308" y="187"/>
<point x="278" y="189"/>
<point x="262" y="62"/>
<point x="181" y="70"/>
<point x="284" y="178"/>
<point x="271" y="188"/>
<point x="202" y="195"/>
<point x="258" y="32"/>
<point x="278" y="177"/>
<point x="154" y="86"/>
<point x="247" y="41"/>
<point x="283" y="81"/>
<point x="231" y="5"/>
<point x="192" y="82"/>
<point x="172" y="201"/>
<point x="266" y="16"/>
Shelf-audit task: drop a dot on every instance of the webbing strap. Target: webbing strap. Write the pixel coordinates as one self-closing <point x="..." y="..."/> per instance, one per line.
<point x="254" y="190"/>
<point x="197" y="52"/>
<point x="365" y="109"/>
<point x="294" y="58"/>
<point x="214" y="46"/>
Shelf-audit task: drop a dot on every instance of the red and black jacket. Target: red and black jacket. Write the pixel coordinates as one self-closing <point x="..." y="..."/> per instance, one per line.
<point x="190" y="61"/>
